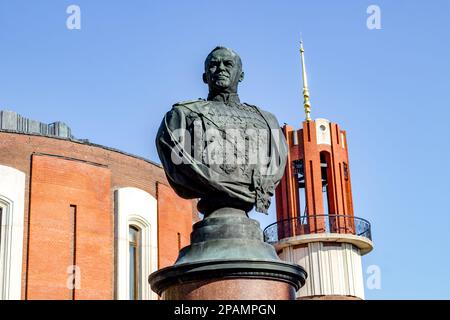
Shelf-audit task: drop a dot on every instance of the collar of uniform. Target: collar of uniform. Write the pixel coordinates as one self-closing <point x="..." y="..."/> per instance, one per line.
<point x="227" y="98"/>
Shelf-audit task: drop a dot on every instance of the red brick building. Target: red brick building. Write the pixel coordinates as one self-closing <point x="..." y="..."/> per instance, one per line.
<point x="80" y="220"/>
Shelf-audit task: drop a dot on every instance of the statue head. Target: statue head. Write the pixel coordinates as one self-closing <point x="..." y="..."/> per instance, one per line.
<point x="223" y="71"/>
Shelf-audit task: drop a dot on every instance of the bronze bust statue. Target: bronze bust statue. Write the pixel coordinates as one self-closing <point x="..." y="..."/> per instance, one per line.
<point x="227" y="153"/>
<point x="231" y="155"/>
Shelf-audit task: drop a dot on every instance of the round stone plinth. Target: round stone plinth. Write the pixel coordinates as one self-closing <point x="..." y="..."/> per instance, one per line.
<point x="227" y="259"/>
<point x="231" y="289"/>
<point x="229" y="279"/>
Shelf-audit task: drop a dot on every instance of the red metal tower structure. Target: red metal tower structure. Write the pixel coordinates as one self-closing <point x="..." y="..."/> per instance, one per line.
<point x="316" y="226"/>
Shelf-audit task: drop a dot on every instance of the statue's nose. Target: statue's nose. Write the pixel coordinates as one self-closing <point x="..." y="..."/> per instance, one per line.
<point x="221" y="66"/>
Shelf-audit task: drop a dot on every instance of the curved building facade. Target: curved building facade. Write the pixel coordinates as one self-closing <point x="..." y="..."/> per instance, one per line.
<point x="80" y="220"/>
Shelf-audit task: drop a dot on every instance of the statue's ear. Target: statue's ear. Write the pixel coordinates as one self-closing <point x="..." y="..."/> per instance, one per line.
<point x="241" y="77"/>
<point x="204" y="78"/>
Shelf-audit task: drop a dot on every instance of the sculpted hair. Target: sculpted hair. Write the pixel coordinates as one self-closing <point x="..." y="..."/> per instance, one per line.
<point x="208" y="58"/>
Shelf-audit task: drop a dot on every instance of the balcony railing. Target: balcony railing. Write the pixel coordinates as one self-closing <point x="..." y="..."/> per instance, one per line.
<point x="313" y="224"/>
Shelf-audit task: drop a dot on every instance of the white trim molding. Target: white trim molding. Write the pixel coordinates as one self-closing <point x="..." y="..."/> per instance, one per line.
<point x="137" y="208"/>
<point x="363" y="243"/>
<point x="323" y="131"/>
<point x="12" y="199"/>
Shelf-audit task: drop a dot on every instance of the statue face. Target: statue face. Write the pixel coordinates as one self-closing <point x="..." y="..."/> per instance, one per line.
<point x="223" y="72"/>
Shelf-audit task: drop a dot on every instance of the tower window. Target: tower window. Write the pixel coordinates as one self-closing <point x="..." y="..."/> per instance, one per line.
<point x="345" y="171"/>
<point x="299" y="171"/>
<point x="326" y="196"/>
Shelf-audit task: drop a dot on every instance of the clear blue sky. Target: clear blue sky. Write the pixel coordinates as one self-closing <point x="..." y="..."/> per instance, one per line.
<point x="113" y="80"/>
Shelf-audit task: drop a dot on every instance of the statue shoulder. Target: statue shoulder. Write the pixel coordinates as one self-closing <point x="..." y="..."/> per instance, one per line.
<point x="196" y="105"/>
<point x="189" y="102"/>
<point x="266" y="114"/>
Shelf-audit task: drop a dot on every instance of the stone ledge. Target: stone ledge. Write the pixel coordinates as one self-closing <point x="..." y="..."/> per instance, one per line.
<point x="187" y="273"/>
<point x="364" y="244"/>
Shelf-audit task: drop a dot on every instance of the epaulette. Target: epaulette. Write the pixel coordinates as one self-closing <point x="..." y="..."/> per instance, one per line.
<point x="256" y="108"/>
<point x="188" y="102"/>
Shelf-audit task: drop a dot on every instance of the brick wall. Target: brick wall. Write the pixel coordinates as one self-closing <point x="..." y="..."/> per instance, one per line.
<point x="18" y="150"/>
<point x="61" y="236"/>
<point x="175" y="225"/>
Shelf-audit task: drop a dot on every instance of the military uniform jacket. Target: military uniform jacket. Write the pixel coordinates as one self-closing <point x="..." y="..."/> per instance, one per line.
<point x="208" y="149"/>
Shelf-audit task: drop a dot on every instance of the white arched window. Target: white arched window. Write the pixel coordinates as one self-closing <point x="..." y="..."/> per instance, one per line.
<point x="136" y="241"/>
<point x="12" y="195"/>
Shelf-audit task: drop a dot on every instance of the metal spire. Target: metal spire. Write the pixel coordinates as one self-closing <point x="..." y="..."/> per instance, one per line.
<point x="306" y="103"/>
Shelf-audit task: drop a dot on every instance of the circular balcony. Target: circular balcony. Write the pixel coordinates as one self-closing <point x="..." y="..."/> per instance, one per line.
<point x="324" y="228"/>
